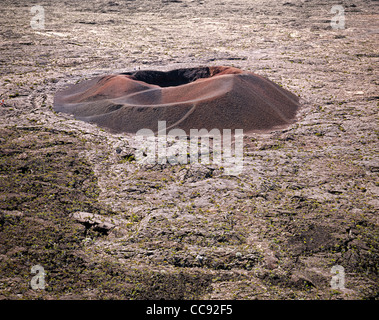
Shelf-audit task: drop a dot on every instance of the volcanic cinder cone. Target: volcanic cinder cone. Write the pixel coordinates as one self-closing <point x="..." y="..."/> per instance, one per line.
<point x="194" y="98"/>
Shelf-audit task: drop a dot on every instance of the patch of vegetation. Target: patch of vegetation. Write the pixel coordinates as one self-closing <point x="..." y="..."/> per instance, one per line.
<point x="115" y="283"/>
<point x="43" y="180"/>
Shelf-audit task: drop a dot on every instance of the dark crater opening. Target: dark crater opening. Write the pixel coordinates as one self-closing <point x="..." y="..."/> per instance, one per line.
<point x="170" y="78"/>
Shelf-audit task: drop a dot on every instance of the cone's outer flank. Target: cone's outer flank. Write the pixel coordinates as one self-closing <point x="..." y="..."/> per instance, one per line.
<point x="192" y="98"/>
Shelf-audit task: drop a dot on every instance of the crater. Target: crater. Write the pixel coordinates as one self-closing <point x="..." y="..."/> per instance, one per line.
<point x="208" y="98"/>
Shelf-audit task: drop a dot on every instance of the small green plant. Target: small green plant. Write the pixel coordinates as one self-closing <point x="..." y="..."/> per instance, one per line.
<point x="14" y="95"/>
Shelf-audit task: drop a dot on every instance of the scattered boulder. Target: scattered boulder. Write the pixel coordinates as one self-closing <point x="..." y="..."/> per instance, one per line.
<point x="95" y="221"/>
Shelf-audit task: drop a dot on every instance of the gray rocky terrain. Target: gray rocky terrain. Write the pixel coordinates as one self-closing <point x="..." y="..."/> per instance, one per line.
<point x="74" y="200"/>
